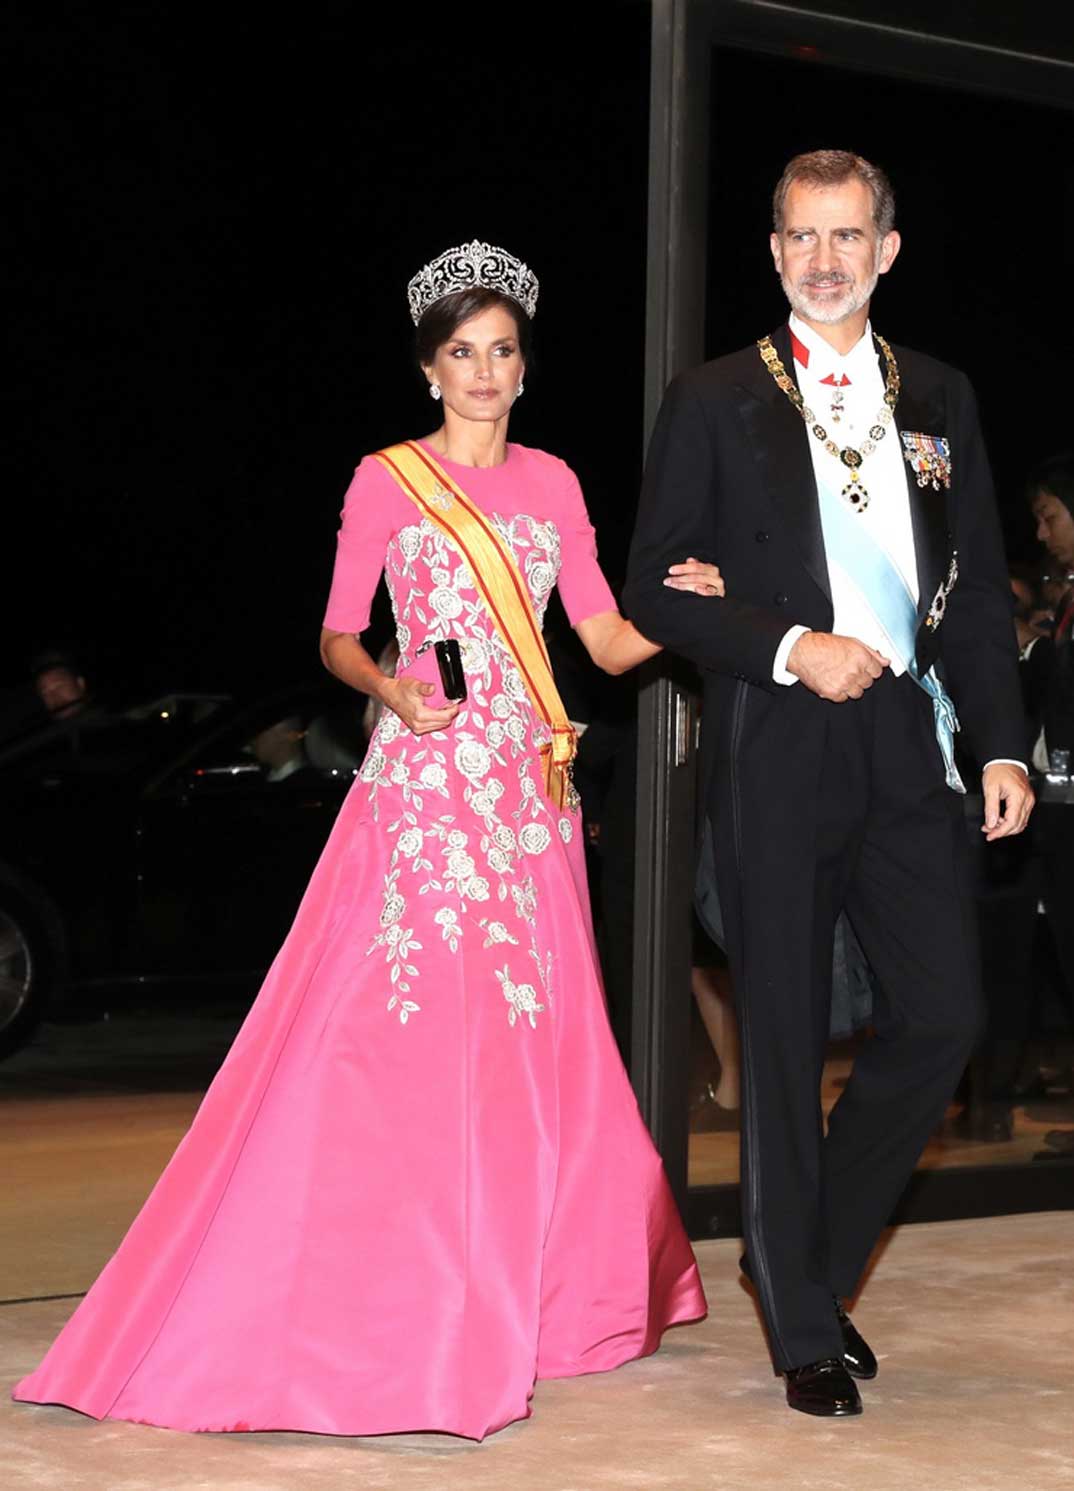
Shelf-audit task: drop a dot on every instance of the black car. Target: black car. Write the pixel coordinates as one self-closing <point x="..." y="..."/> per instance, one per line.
<point x="172" y="842"/>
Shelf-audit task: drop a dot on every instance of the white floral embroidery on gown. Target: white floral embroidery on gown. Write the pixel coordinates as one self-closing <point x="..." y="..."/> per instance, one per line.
<point x="463" y="808"/>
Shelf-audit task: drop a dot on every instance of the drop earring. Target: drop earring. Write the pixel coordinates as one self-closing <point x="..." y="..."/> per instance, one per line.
<point x="520" y="390"/>
<point x="434" y="390"/>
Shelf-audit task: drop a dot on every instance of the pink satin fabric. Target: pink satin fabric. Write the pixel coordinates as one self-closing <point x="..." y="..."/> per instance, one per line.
<point x="420" y="1180"/>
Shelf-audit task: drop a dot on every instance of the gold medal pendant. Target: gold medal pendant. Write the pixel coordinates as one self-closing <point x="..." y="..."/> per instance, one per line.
<point x="854" y="492"/>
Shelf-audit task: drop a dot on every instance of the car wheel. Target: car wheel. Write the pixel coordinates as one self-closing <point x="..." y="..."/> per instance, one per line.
<point x="27" y="967"/>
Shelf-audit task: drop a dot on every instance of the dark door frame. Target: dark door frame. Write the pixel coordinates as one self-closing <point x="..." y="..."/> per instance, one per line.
<point x="967" y="51"/>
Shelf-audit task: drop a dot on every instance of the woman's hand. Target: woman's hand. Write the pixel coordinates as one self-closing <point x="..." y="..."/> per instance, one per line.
<point x="406" y="697"/>
<point x="702" y="579"/>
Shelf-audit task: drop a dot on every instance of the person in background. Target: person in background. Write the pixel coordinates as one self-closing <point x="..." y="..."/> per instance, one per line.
<point x="60" y="685"/>
<point x="279" y="751"/>
<point x="1032" y="618"/>
<point x="1048" y="653"/>
<point x="1048" y="675"/>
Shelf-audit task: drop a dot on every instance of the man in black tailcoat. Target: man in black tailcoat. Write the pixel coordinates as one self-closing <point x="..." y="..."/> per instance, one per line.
<point x="843" y="488"/>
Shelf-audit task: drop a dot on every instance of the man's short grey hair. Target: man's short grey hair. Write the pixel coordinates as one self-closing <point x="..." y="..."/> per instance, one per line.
<point x="831" y="168"/>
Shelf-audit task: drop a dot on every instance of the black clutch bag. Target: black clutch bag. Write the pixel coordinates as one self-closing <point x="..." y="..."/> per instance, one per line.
<point x="452" y="677"/>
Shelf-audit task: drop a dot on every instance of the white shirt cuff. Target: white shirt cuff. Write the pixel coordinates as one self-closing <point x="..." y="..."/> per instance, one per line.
<point x="1006" y="761"/>
<point x="783" y="652"/>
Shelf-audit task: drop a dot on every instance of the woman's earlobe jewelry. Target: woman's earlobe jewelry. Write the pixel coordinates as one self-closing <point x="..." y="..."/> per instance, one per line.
<point x="520" y="390"/>
<point x="434" y="390"/>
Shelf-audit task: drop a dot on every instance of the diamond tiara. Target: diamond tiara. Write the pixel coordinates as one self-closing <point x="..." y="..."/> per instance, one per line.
<point x="472" y="266"/>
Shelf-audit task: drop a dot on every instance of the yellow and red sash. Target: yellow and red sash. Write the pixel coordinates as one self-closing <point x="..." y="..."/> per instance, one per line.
<point x="500" y="585"/>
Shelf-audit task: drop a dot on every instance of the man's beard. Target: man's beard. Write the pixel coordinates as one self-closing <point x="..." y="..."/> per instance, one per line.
<point x="831" y="312"/>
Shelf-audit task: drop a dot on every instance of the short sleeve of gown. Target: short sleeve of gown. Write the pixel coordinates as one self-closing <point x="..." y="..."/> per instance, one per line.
<point x="582" y="587"/>
<point x="373" y="510"/>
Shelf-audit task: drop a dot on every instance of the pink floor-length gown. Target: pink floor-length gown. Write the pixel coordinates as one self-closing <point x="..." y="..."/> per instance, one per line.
<point x="420" y="1180"/>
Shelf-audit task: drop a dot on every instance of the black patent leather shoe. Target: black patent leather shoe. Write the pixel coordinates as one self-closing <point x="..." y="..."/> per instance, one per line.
<point x="824" y="1389"/>
<point x="857" y="1356"/>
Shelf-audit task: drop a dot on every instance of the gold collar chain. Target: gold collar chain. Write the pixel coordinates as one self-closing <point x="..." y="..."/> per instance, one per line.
<point x="854" y="492"/>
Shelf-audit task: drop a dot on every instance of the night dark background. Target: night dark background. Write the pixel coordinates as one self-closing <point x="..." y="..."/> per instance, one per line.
<point x="213" y="219"/>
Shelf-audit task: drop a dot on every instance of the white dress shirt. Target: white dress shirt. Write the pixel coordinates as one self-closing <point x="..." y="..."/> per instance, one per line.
<point x="887" y="517"/>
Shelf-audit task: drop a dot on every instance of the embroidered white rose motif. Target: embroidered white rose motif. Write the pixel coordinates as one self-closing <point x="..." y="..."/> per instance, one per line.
<point x="390" y="726"/>
<point x="476" y="653"/>
<point x="456" y="839"/>
<point x="433" y="776"/>
<point x="499" y="860"/>
<point x="516" y="729"/>
<point x="448" y="922"/>
<point x="501" y="707"/>
<point x="521" y="997"/>
<point x="373" y="766"/>
<point x="410" y="542"/>
<point x="544" y="535"/>
<point x="525" y="899"/>
<point x="512" y="683"/>
<point x="534" y="838"/>
<point x="445" y="602"/>
<point x="394" y="906"/>
<point x="400" y="773"/>
<point x="503" y="836"/>
<point x="495" y="734"/>
<point x="496" y="932"/>
<point x="409" y="842"/>
<point x="460" y="865"/>
<point x="566" y="830"/>
<point x="472" y="759"/>
<point x="541" y="577"/>
<point x="441" y="498"/>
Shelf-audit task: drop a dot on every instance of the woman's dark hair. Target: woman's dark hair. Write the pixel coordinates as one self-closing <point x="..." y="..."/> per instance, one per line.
<point x="444" y="317"/>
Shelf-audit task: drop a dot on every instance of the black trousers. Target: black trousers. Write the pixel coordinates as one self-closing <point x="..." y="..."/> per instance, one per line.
<point x="824" y="807"/>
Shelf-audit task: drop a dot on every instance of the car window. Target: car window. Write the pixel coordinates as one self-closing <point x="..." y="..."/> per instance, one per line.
<point x="282" y="745"/>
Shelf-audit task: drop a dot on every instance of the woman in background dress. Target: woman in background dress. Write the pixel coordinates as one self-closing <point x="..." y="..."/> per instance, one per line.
<point x="420" y="1180"/>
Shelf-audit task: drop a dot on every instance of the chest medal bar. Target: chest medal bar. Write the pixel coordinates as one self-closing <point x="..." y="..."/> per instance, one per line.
<point x="929" y="457"/>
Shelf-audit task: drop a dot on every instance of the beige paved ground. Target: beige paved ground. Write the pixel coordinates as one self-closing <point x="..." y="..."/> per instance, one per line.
<point x="973" y="1321"/>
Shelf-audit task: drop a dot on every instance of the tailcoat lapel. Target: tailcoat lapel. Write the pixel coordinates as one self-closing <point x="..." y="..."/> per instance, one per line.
<point x="780" y="444"/>
<point x="922" y="409"/>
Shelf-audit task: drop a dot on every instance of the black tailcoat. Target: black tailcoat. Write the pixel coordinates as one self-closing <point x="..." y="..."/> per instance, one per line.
<point x="729" y="478"/>
<point x="820" y="809"/>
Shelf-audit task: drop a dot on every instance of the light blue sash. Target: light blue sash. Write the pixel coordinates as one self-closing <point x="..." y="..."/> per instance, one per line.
<point x="856" y="551"/>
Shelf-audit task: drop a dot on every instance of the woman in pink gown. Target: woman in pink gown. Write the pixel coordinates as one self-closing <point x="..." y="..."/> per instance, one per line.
<point x="420" y="1180"/>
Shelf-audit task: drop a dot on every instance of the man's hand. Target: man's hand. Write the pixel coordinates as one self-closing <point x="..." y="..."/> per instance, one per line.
<point x="1007" y="785"/>
<point x="836" y="668"/>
